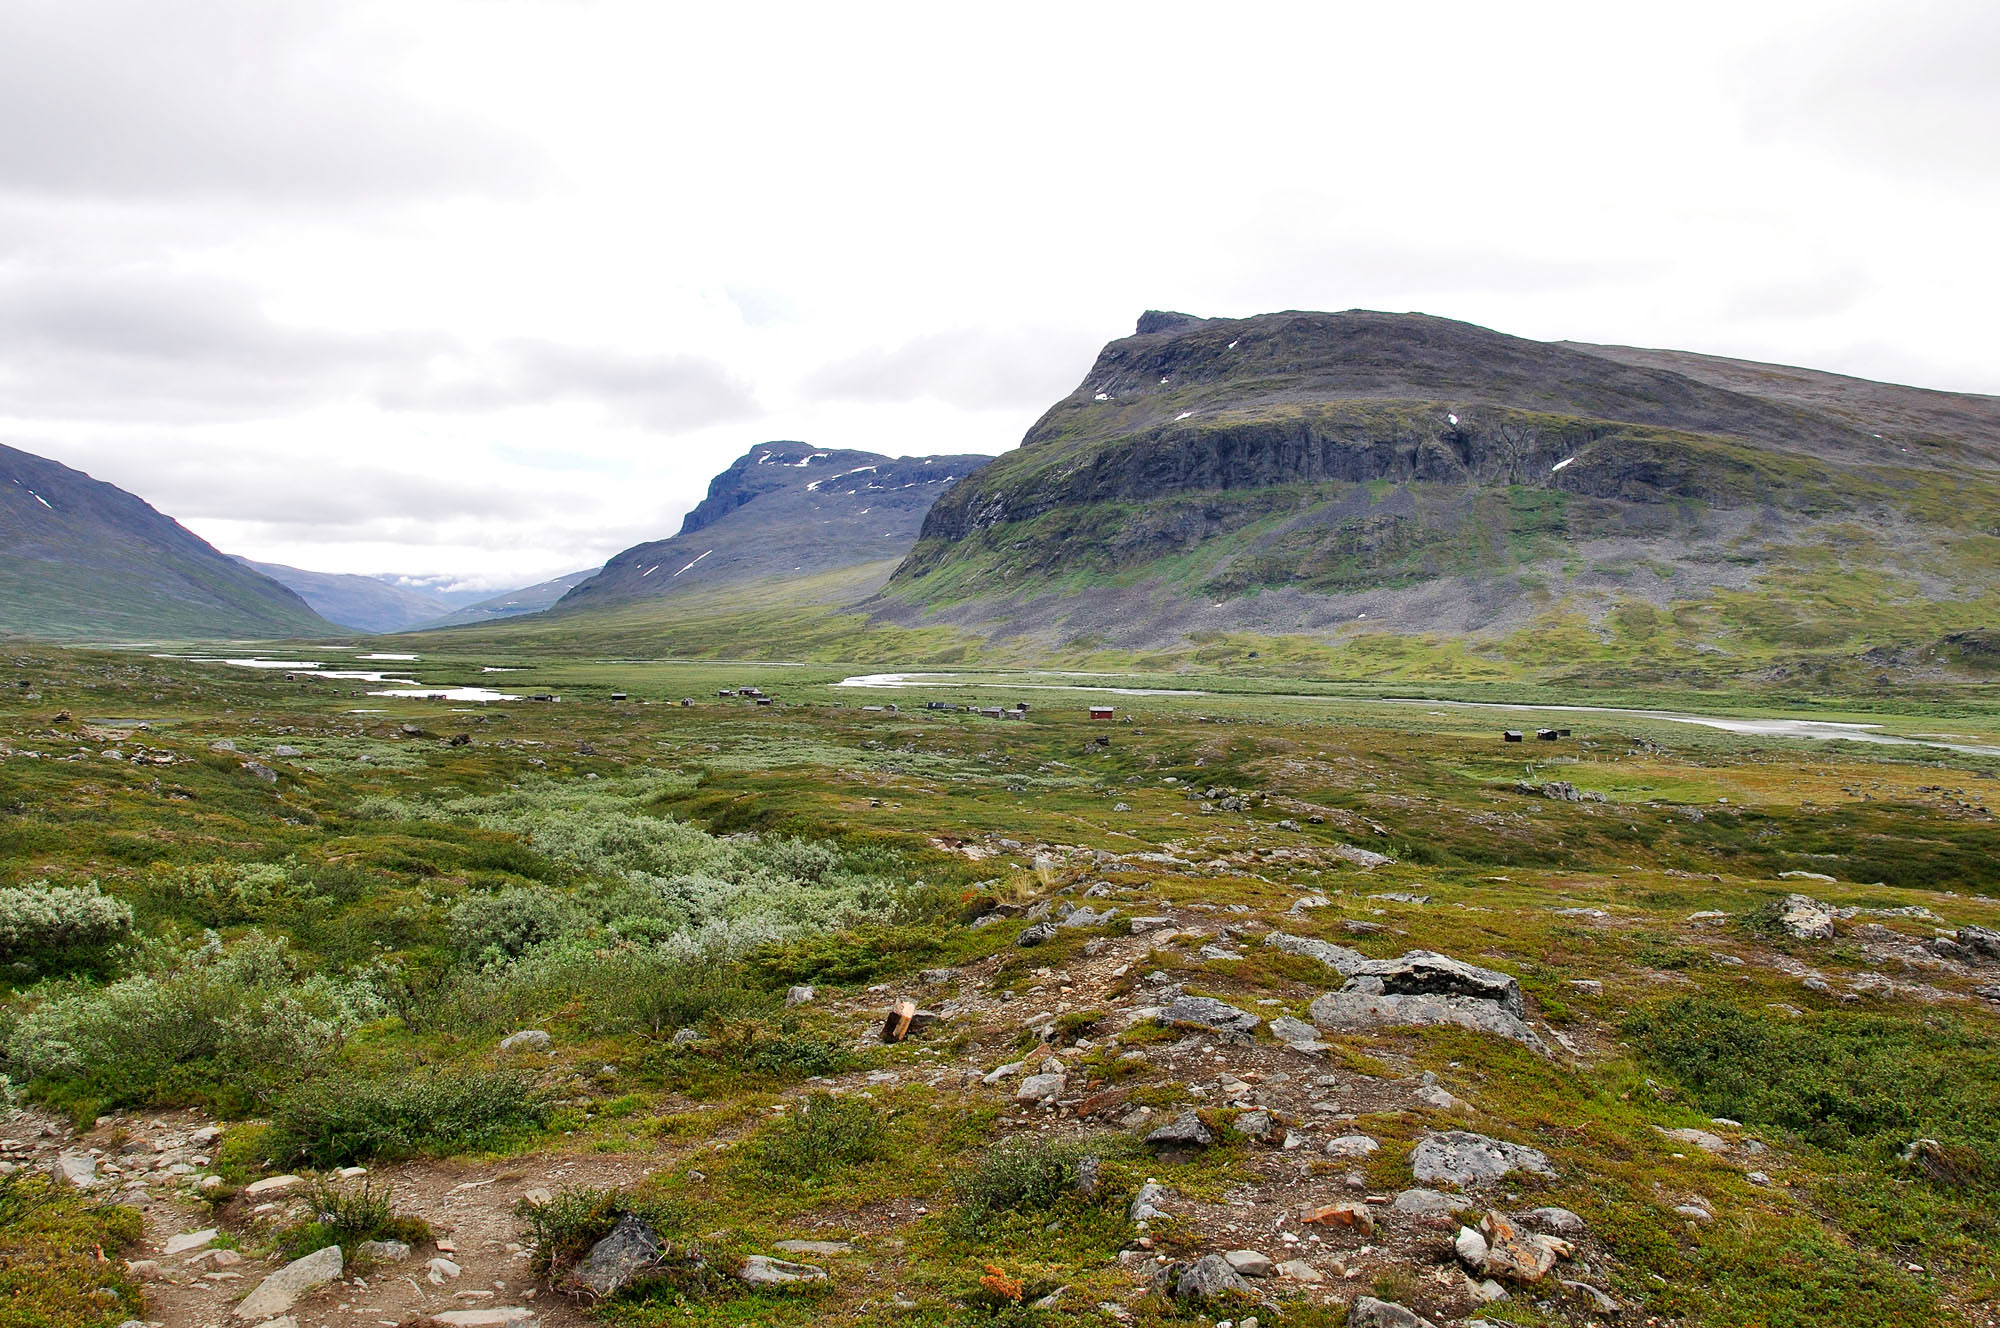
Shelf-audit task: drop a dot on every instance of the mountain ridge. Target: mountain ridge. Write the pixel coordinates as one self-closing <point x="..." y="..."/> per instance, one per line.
<point x="86" y="559"/>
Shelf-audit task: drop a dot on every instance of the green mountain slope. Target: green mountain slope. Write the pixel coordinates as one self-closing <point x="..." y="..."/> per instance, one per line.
<point x="85" y="559"/>
<point x="1332" y="475"/>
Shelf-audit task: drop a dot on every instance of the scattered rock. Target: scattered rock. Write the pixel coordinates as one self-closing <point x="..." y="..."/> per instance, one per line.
<point x="273" y="1187"/>
<point x="1146" y="1203"/>
<point x="1040" y="1087"/>
<point x="1336" y="957"/>
<point x="1205" y="1279"/>
<point x="1254" y="1124"/>
<point x="498" y="1316"/>
<point x="1702" y="1139"/>
<point x="189" y="1240"/>
<point x="1037" y="934"/>
<point x="1555" y="1221"/>
<point x="1298" y="1034"/>
<point x="1300" y="1271"/>
<point x="1463" y="1159"/>
<point x="1428" y="1206"/>
<point x="613" y="1263"/>
<point x="1599" y="1301"/>
<point x="1368" y="1312"/>
<point x="1351" y="1145"/>
<point x="1207" y="1012"/>
<point x="1514" y="1254"/>
<point x="383" y="1251"/>
<point x="282" y="1289"/>
<point x="1183" y="1131"/>
<point x="820" y="1247"/>
<point x="762" y="1270"/>
<point x="439" y="1270"/>
<point x="1806" y="919"/>
<point x="1250" y="1263"/>
<point x="528" y="1039"/>
<point x="801" y="995"/>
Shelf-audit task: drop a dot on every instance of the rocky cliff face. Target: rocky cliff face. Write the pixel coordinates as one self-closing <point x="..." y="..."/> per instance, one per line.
<point x="783" y="511"/>
<point x="1334" y="454"/>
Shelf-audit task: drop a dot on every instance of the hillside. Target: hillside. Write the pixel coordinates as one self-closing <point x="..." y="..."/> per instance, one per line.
<point x="87" y="559"/>
<point x="1323" y="474"/>
<point x="783" y="511"/>
<point x="512" y="603"/>
<point x="364" y="603"/>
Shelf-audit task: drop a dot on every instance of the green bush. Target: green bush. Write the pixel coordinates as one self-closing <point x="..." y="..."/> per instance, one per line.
<point x="337" y="1121"/>
<point x="225" y="1026"/>
<point x="346" y="1216"/>
<point x="505" y="925"/>
<point x="53" y="928"/>
<point x="1030" y="1175"/>
<point x="823" y="1135"/>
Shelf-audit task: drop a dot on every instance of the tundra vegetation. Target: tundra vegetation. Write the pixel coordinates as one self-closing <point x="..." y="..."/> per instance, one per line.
<point x="591" y="977"/>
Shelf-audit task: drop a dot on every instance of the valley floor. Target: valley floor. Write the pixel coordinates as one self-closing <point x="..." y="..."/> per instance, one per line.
<point x="1245" y="1004"/>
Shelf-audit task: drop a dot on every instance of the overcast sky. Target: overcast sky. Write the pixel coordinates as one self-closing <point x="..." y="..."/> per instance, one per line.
<point x="491" y="289"/>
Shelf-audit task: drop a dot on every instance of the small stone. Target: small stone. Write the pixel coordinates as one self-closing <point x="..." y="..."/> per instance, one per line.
<point x="1250" y="1263"/>
<point x="1555" y="1221"/>
<point x="189" y="1240"/>
<point x="1183" y="1131"/>
<point x="1470" y="1247"/>
<point x="1146" y="1203"/>
<point x="1368" y="1312"/>
<point x="803" y="995"/>
<point x="819" y="1247"/>
<point x="146" y="1270"/>
<point x="280" y="1291"/>
<point x="762" y="1270"/>
<point x="273" y="1187"/>
<point x="1355" y="1215"/>
<point x="440" y="1270"/>
<point x="1300" y="1271"/>
<point x="1041" y="932"/>
<point x="1463" y="1159"/>
<point x="528" y="1039"/>
<point x="1040" y="1087"/>
<point x="1205" y="1279"/>
<point x="1351" y="1145"/>
<point x="383" y="1251"/>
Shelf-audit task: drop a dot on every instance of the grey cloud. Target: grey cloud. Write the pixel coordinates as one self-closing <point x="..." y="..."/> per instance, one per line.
<point x="131" y="99"/>
<point x="148" y="344"/>
<point x="659" y="391"/>
<point x="969" y="367"/>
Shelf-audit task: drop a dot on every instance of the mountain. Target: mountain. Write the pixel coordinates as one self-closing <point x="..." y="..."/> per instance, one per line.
<point x="364" y="603"/>
<point x="87" y="559"/>
<point x="1327" y="474"/>
<point x="783" y="511"/>
<point x="512" y="603"/>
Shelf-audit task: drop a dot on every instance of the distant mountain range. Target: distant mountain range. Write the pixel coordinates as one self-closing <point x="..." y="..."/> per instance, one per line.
<point x="80" y="558"/>
<point x="783" y="511"/>
<point x="392" y="603"/>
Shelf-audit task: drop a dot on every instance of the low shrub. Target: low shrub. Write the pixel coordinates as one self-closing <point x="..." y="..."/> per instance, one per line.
<point x="221" y="1026"/>
<point x="562" y="1229"/>
<point x="346" y="1216"/>
<point x="338" y="1121"/>
<point x="54" y="1272"/>
<point x="54" y="928"/>
<point x="823" y="1135"/>
<point x="499" y="927"/>
<point x="1031" y="1175"/>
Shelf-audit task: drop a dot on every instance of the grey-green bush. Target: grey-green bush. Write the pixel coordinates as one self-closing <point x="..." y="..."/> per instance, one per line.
<point x="52" y="926"/>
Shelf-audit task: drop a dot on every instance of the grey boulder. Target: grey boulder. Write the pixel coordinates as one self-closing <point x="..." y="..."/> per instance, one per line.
<point x="1368" y="1312"/>
<point x="612" y="1264"/>
<point x="1206" y="1278"/>
<point x="1183" y="1131"/>
<point x="1464" y="1159"/>
<point x="1207" y="1012"/>
<point x="1360" y="1011"/>
<point x="281" y="1290"/>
